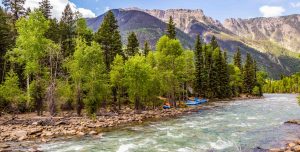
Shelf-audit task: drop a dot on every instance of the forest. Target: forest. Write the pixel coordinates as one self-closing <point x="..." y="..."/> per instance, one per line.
<point x="287" y="84"/>
<point x="49" y="64"/>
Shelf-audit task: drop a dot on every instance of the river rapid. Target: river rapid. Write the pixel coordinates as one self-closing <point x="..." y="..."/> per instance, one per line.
<point x="242" y="125"/>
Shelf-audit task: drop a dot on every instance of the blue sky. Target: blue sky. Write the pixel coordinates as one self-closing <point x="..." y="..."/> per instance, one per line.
<point x="218" y="9"/>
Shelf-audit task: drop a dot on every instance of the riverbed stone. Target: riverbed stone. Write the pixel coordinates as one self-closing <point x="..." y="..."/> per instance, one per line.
<point x="291" y="144"/>
<point x="93" y="132"/>
<point x="275" y="150"/>
<point x="296" y="148"/>
<point x="80" y="133"/>
<point x="4" y="145"/>
<point x="20" y="133"/>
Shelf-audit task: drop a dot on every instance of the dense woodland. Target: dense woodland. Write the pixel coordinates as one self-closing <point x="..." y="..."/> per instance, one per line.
<point x="49" y="64"/>
<point x="287" y="84"/>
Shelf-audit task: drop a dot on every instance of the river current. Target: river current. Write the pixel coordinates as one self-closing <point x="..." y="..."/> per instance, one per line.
<point x="242" y="125"/>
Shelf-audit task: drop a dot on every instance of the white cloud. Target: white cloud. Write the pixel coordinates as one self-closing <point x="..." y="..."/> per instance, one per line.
<point x="59" y="6"/>
<point x="107" y="8"/>
<point x="295" y="5"/>
<point x="271" y="11"/>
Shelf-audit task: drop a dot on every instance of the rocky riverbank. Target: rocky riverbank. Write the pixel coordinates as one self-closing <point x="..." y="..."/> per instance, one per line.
<point x="27" y="127"/>
<point x="14" y="133"/>
<point x="293" y="146"/>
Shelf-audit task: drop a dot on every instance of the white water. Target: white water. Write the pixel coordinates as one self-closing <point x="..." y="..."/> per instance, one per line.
<point x="230" y="126"/>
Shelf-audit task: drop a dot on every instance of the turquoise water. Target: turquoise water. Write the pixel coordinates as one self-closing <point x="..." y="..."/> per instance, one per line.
<point x="229" y="126"/>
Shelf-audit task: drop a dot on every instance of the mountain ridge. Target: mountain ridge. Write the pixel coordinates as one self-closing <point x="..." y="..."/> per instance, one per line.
<point x="150" y="25"/>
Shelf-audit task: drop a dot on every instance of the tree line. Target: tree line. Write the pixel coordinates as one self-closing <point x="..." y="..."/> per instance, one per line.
<point x="50" y="64"/>
<point x="286" y="84"/>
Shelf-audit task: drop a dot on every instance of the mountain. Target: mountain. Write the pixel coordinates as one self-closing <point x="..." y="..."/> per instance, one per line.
<point x="284" y="30"/>
<point x="150" y="25"/>
<point x="146" y="27"/>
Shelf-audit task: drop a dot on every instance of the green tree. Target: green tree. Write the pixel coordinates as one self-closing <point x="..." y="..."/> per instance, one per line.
<point x="117" y="78"/>
<point x="199" y="61"/>
<point x="214" y="43"/>
<point x="169" y="61"/>
<point x="171" y="29"/>
<point x="31" y="47"/>
<point x="54" y="33"/>
<point x="11" y="92"/>
<point x="248" y="75"/>
<point x="46" y="7"/>
<point x="5" y="43"/>
<point x="67" y="30"/>
<point x="82" y="30"/>
<point x="88" y="73"/>
<point x="109" y="39"/>
<point x="132" y="45"/>
<point x="138" y="74"/>
<point x="237" y="59"/>
<point x="147" y="48"/>
<point x="16" y="7"/>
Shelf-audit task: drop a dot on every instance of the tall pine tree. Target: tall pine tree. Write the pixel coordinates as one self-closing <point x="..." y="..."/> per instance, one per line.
<point x="6" y="41"/>
<point x="67" y="30"/>
<point x="109" y="38"/>
<point x="46" y="7"/>
<point x="171" y="29"/>
<point x="147" y="48"/>
<point x="15" y="7"/>
<point x="249" y="75"/>
<point x="214" y="42"/>
<point x="132" y="45"/>
<point x="199" y="66"/>
<point x="238" y="59"/>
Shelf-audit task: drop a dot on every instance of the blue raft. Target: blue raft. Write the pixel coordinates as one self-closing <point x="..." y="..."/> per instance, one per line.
<point x="196" y="102"/>
<point x="166" y="107"/>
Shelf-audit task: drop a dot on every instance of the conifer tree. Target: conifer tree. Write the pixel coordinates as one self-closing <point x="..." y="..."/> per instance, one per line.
<point x="67" y="29"/>
<point x="132" y="45"/>
<point x="199" y="66"/>
<point x="225" y="79"/>
<point x="248" y="75"/>
<point x="109" y="38"/>
<point x="214" y="42"/>
<point x="238" y="59"/>
<point x="46" y="7"/>
<point x="147" y="48"/>
<point x="171" y="29"/>
<point x="16" y="7"/>
<point x="6" y="41"/>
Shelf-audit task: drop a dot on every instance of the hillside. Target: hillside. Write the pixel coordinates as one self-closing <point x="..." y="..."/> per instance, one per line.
<point x="150" y="25"/>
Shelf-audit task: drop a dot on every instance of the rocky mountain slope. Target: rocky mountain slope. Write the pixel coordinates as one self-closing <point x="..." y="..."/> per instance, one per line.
<point x="144" y="25"/>
<point x="284" y="30"/>
<point x="268" y="50"/>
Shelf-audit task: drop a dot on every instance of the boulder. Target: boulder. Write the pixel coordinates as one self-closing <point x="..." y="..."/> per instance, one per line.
<point x="35" y="131"/>
<point x="93" y="133"/>
<point x="291" y="144"/>
<point x="3" y="145"/>
<point x="60" y="123"/>
<point x="80" y="133"/>
<point x="296" y="148"/>
<point x="20" y="133"/>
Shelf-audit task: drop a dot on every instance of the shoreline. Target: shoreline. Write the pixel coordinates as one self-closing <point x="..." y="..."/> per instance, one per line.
<point x="28" y="128"/>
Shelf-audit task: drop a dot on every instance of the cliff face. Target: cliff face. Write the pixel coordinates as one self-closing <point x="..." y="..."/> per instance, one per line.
<point x="285" y="30"/>
<point x="185" y="18"/>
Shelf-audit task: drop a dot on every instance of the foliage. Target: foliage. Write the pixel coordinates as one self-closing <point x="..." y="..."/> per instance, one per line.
<point x="109" y="39"/>
<point x="171" y="29"/>
<point x="10" y="91"/>
<point x="132" y="45"/>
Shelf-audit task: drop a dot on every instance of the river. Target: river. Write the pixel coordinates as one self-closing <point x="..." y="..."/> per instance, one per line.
<point x="241" y="125"/>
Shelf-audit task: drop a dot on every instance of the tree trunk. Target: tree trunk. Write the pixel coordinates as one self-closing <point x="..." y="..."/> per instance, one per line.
<point x="79" y="105"/>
